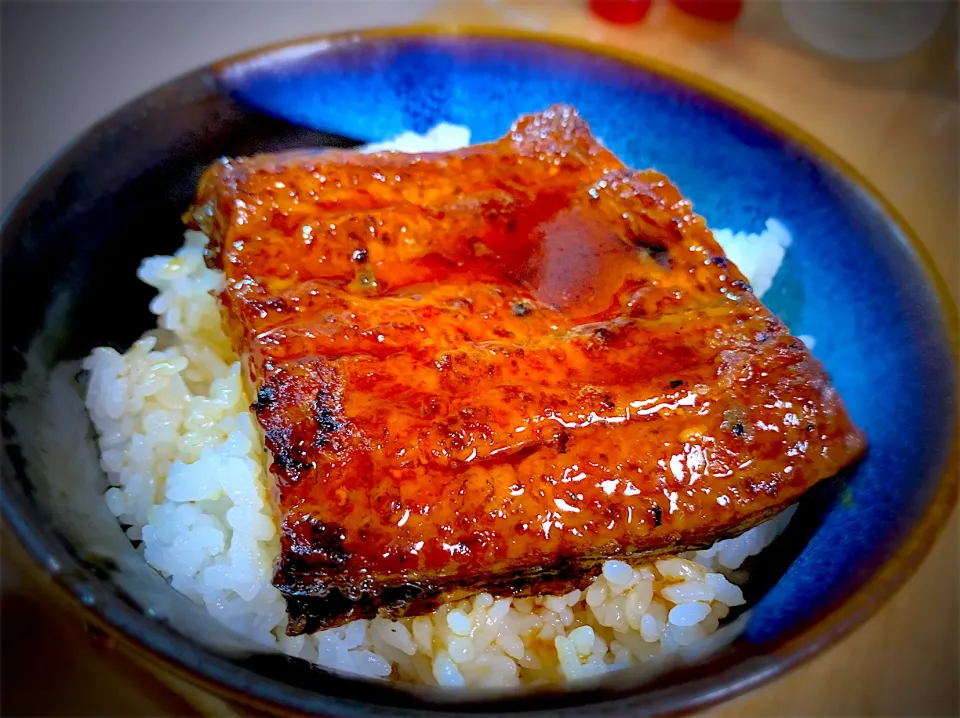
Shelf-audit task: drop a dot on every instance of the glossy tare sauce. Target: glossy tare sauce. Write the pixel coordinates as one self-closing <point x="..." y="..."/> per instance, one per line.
<point x="492" y="369"/>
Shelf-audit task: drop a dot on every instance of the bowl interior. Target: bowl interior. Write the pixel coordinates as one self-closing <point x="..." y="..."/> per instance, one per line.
<point x="851" y="279"/>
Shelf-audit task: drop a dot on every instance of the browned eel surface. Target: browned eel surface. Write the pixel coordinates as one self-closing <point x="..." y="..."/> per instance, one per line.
<point x="494" y="368"/>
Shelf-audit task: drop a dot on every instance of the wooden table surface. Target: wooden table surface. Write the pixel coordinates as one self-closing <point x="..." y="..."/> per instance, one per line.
<point x="897" y="122"/>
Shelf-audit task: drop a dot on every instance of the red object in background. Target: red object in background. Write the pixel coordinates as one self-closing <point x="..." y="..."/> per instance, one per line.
<point x="623" y="12"/>
<point x="716" y="10"/>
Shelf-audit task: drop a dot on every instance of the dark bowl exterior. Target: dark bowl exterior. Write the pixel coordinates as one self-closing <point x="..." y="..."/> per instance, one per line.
<point x="72" y="242"/>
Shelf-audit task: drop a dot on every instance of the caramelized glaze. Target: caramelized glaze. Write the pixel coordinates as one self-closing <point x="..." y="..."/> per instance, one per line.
<point x="492" y="369"/>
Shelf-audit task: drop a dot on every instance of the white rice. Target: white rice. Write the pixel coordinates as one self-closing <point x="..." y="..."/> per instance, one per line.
<point x="758" y="256"/>
<point x="187" y="467"/>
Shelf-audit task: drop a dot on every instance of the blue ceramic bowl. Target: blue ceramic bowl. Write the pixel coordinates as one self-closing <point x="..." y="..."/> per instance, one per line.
<point x="854" y="278"/>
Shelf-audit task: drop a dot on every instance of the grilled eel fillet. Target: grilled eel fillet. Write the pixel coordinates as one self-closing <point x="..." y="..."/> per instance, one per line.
<point x="492" y="369"/>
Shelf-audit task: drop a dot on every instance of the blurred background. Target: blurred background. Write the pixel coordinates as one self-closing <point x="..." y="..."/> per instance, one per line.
<point x="875" y="80"/>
